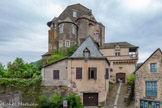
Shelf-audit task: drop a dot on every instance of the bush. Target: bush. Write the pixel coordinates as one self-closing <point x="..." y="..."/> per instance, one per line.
<point x="56" y="101"/>
<point x="131" y="79"/>
<point x="43" y="102"/>
<point x="74" y="101"/>
<point x="71" y="50"/>
<point x="20" y="69"/>
<point x="54" y="58"/>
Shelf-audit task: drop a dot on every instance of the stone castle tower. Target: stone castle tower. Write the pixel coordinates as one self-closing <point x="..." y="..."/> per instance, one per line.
<point x="72" y="26"/>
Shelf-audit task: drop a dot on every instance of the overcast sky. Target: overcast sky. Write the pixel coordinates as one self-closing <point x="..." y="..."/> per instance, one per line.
<point x="24" y="33"/>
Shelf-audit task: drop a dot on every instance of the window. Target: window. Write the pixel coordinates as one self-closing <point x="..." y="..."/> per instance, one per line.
<point x="153" y="67"/>
<point x="67" y="43"/>
<point x="92" y="73"/>
<point x="73" y="43"/>
<point x="60" y="43"/>
<point x="56" y="74"/>
<point x="78" y="73"/>
<point x="61" y="28"/>
<point x="97" y="36"/>
<point x="107" y="74"/>
<point x="74" y="14"/>
<point x="151" y="88"/>
<point x="117" y="51"/>
<point x="86" y="53"/>
<point x="73" y="29"/>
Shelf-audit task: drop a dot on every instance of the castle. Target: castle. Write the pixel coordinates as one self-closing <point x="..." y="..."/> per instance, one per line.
<point x="94" y="64"/>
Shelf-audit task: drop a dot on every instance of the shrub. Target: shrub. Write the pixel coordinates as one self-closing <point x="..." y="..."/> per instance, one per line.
<point x="43" y="102"/>
<point x="131" y="79"/>
<point x="71" y="50"/>
<point x="56" y="101"/>
<point x="74" y="101"/>
<point x="54" y="58"/>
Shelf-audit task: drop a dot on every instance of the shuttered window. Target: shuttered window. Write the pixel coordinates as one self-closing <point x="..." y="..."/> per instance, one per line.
<point x="78" y="73"/>
<point x="56" y="74"/>
<point x="92" y="73"/>
<point x="151" y="88"/>
<point x="107" y="73"/>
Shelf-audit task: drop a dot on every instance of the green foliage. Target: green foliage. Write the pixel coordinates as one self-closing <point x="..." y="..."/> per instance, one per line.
<point x="20" y="83"/>
<point x="56" y="101"/>
<point x="3" y="72"/>
<point x="37" y="64"/>
<point x="2" y="92"/>
<point x="71" y="50"/>
<point x="20" y="69"/>
<point x="61" y="54"/>
<point x="131" y="79"/>
<point x="43" y="103"/>
<point x="74" y="101"/>
<point x="54" y="58"/>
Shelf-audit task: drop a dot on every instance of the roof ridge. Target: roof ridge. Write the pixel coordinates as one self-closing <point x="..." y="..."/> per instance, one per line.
<point x="149" y="58"/>
<point x="80" y="5"/>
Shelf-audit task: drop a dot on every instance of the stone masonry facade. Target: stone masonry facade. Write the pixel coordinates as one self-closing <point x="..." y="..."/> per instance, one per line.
<point x="143" y="74"/>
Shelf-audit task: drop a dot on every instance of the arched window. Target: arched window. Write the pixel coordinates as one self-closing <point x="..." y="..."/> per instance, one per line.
<point x="117" y="51"/>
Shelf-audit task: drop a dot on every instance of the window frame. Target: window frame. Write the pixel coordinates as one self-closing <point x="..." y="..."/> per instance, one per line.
<point x="60" y="43"/>
<point x="74" y="14"/>
<point x="153" y="67"/>
<point x="66" y="43"/>
<point x="149" y="90"/>
<point x="73" y="29"/>
<point x="56" y="77"/>
<point x="107" y="73"/>
<point x="97" y="36"/>
<point x="90" y="73"/>
<point x="61" y="28"/>
<point x="78" y="72"/>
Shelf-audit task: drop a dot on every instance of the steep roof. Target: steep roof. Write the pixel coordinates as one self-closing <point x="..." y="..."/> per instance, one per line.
<point x="120" y="44"/>
<point x="90" y="45"/>
<point x="149" y="58"/>
<point x="82" y="12"/>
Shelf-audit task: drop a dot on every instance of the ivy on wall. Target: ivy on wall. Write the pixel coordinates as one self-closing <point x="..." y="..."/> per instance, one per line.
<point x="60" y="54"/>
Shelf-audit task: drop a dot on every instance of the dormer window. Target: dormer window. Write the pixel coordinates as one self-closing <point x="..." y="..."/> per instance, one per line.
<point x="86" y="53"/>
<point x="74" y="14"/>
<point x="117" y="51"/>
<point x="61" y="28"/>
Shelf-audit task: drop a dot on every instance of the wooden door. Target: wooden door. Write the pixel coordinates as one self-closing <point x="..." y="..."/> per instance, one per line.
<point x="90" y="99"/>
<point x="120" y="76"/>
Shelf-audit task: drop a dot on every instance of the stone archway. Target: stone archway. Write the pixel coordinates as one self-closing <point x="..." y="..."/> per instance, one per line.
<point x="120" y="76"/>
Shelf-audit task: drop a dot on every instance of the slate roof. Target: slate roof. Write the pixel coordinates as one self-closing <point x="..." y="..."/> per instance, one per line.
<point x="90" y="45"/>
<point x="120" y="44"/>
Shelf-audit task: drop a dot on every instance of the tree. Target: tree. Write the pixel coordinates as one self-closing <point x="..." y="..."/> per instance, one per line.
<point x="131" y="79"/>
<point x="20" y="69"/>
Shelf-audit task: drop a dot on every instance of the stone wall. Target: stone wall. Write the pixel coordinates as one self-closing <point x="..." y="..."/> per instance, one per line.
<point x="10" y="97"/>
